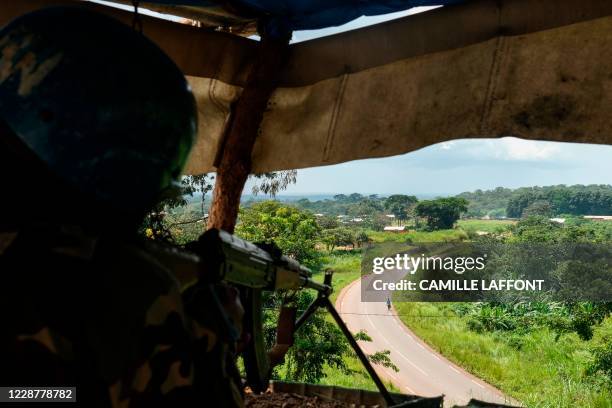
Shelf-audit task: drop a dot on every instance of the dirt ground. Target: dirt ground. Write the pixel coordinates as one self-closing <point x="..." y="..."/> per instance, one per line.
<point x="286" y="400"/>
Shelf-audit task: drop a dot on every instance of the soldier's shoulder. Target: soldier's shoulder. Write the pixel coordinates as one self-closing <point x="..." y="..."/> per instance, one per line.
<point x="131" y="262"/>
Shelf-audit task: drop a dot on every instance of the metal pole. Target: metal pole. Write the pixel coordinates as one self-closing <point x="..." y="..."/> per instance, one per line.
<point x="322" y="300"/>
<point x="307" y="313"/>
<point x="364" y="359"/>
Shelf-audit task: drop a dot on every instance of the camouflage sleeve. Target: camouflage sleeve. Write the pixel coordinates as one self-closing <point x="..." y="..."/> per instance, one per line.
<point x="189" y="362"/>
<point x="117" y="328"/>
<point x="36" y="358"/>
<point x="32" y="353"/>
<point x="216" y="373"/>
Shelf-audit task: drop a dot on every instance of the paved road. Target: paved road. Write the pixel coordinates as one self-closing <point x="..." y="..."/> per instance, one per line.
<point x="422" y="371"/>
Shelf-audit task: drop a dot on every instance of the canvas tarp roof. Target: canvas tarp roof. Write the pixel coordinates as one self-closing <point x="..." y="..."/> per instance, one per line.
<point x="488" y="68"/>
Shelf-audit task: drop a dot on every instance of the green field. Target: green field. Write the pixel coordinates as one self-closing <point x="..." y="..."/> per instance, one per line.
<point x="346" y="266"/>
<point x="418" y="236"/>
<point x="485" y="225"/>
<point x="534" y="368"/>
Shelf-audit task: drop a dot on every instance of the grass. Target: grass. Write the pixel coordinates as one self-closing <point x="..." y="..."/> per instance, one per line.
<point x="360" y="379"/>
<point x="418" y="236"/>
<point x="346" y="266"/>
<point x="534" y="368"/>
<point x="484" y="225"/>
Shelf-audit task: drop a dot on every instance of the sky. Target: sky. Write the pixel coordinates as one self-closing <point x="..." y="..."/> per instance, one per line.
<point x="463" y="165"/>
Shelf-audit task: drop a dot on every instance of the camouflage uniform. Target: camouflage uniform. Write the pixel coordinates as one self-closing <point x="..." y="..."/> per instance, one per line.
<point x="105" y="317"/>
<point x="96" y="124"/>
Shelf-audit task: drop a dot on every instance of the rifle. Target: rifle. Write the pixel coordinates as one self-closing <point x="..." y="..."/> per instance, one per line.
<point x="218" y="256"/>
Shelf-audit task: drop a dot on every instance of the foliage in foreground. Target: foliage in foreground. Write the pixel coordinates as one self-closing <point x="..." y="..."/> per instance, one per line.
<point x="318" y="343"/>
<point x="295" y="232"/>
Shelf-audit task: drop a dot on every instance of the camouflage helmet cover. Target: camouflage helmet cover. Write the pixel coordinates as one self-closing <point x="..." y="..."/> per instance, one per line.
<point x="102" y="106"/>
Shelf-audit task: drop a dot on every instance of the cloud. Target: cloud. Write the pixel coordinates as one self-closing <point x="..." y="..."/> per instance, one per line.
<point x="513" y="149"/>
<point x="506" y="149"/>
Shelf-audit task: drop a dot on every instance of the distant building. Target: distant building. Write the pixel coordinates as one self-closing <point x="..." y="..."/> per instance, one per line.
<point x="390" y="215"/>
<point x="319" y="215"/>
<point x="357" y="219"/>
<point x="395" y="228"/>
<point x="558" y="220"/>
<point x="598" y="217"/>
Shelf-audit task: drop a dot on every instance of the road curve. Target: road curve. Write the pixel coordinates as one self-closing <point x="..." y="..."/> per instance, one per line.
<point x="422" y="370"/>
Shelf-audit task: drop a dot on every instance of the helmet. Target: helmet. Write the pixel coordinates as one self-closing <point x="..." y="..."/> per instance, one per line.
<point x="102" y="106"/>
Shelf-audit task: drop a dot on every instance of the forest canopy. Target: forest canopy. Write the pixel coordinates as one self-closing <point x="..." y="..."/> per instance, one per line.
<point x="594" y="199"/>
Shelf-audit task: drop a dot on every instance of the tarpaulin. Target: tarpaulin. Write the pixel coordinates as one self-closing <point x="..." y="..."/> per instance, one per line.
<point x="481" y="69"/>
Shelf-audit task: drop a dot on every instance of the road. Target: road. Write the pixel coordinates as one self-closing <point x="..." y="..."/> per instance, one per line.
<point x="422" y="371"/>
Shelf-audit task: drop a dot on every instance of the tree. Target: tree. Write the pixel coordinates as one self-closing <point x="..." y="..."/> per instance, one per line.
<point x="362" y="238"/>
<point x="569" y="200"/>
<point x="355" y="197"/>
<point x="399" y="204"/>
<point x="601" y="361"/>
<point x="294" y="231"/>
<point x="364" y="207"/>
<point x="173" y="220"/>
<point x="273" y="182"/>
<point x="327" y="222"/>
<point x="441" y="213"/>
<point x="574" y="200"/>
<point x="157" y="225"/>
<point x="318" y="343"/>
<point x="336" y="237"/>
<point x="376" y="222"/>
<point x="539" y="207"/>
<point x="535" y="229"/>
<point x="379" y="357"/>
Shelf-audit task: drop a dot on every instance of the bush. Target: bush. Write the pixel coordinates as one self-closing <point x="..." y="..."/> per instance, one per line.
<point x="602" y="360"/>
<point x="491" y="318"/>
<point x="294" y="231"/>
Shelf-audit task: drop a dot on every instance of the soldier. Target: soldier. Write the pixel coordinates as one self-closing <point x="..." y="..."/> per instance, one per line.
<point x="96" y="123"/>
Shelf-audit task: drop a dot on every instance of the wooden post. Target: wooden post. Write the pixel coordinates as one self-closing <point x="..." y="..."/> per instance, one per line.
<point x="234" y="160"/>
